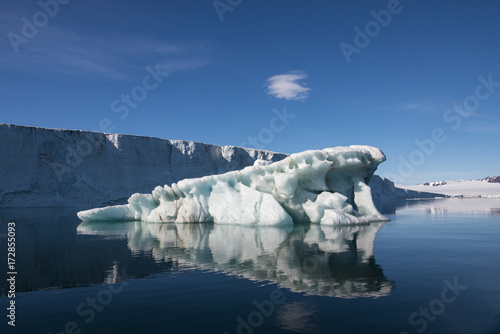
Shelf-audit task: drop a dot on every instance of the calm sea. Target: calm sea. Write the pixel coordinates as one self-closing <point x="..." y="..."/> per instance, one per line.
<point x="434" y="268"/>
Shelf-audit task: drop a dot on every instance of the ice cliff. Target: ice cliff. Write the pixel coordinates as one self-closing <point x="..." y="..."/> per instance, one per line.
<point x="65" y="168"/>
<point x="320" y="186"/>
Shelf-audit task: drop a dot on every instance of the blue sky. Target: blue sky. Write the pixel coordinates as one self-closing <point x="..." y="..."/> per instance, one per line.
<point x="283" y="75"/>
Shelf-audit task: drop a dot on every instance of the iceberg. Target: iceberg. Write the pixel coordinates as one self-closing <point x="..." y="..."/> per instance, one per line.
<point x="327" y="187"/>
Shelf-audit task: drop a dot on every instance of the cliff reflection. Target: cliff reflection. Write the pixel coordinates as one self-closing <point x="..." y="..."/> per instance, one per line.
<point x="334" y="261"/>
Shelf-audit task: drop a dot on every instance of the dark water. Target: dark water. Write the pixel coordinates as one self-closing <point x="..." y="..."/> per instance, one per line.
<point x="434" y="268"/>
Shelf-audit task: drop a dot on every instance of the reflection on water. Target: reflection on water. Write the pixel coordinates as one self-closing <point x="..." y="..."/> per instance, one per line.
<point x="484" y="206"/>
<point x="442" y="206"/>
<point x="298" y="317"/>
<point x="51" y="255"/>
<point x="426" y="243"/>
<point x="313" y="259"/>
<point x="495" y="212"/>
<point x="436" y="211"/>
<point x="57" y="251"/>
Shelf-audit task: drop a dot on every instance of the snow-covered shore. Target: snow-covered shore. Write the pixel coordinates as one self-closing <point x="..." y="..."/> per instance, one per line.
<point x="473" y="188"/>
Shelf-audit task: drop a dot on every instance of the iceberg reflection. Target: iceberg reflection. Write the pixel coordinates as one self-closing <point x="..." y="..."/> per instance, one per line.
<point x="314" y="259"/>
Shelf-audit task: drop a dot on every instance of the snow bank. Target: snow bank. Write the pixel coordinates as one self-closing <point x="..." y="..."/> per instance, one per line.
<point x="323" y="186"/>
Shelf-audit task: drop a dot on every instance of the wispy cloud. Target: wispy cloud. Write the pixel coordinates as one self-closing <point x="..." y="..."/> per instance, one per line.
<point x="410" y="106"/>
<point x="288" y="86"/>
<point x="428" y="104"/>
<point x="481" y="128"/>
<point x="58" y="50"/>
<point x="111" y="57"/>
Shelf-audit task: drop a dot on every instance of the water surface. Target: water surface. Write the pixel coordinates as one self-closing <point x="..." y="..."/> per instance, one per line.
<point x="433" y="268"/>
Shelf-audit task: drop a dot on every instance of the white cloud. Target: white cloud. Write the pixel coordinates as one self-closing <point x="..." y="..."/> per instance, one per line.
<point x="287" y="86"/>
